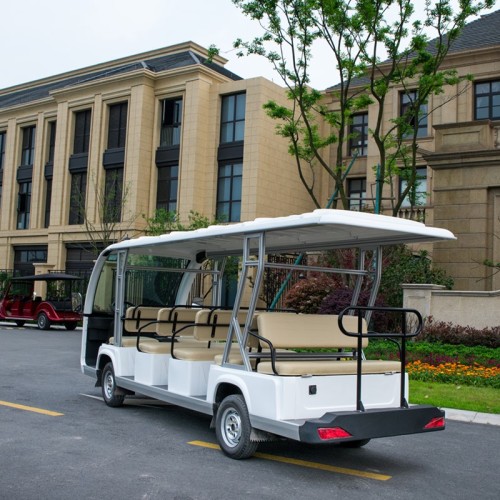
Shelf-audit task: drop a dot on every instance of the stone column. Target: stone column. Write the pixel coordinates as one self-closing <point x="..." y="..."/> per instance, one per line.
<point x="419" y="297"/>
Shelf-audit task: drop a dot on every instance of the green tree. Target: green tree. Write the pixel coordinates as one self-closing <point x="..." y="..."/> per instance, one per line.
<point x="401" y="265"/>
<point x="291" y="29"/>
<point x="165" y="221"/>
<point x="360" y="35"/>
<point x="111" y="219"/>
<point x="414" y="64"/>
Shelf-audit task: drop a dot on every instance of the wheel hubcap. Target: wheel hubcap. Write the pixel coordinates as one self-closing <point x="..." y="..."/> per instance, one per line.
<point x="231" y="427"/>
<point x="109" y="385"/>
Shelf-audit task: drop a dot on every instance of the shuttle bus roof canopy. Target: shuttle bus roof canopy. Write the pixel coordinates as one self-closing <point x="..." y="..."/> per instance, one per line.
<point x="339" y="229"/>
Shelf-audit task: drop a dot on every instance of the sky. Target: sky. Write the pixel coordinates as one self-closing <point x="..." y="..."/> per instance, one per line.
<point x="46" y="37"/>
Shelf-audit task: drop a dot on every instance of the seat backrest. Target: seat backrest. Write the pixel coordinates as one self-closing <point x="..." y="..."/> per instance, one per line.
<point x="141" y="318"/>
<point x="307" y="331"/>
<point x="172" y="319"/>
<point x="213" y="324"/>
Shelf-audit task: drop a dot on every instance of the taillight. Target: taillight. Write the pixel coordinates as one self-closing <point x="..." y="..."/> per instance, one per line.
<point x="435" y="423"/>
<point x="326" y="433"/>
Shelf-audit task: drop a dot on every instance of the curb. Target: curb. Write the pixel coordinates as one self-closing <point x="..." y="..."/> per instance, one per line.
<point x="472" y="416"/>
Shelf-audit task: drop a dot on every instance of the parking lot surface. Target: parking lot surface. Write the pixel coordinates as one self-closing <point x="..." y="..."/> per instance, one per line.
<point x="58" y="440"/>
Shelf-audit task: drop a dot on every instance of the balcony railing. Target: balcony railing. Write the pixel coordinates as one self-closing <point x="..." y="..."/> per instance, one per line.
<point x="412" y="213"/>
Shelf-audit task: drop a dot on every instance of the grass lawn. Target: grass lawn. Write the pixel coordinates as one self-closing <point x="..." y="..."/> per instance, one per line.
<point x="462" y="397"/>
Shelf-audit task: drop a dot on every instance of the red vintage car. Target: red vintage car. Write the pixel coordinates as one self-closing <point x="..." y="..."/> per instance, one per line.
<point x="61" y="306"/>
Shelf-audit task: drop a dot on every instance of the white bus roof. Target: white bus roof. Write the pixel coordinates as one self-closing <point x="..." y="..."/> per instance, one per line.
<point x="321" y="229"/>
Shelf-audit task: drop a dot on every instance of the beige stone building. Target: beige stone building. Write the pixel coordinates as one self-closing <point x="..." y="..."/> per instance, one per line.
<point x="95" y="150"/>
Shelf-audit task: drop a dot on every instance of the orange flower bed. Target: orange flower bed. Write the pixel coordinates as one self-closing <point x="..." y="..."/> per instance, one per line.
<point x="455" y="373"/>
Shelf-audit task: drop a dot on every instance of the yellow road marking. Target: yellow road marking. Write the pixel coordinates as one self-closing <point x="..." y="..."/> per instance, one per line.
<point x="305" y="463"/>
<point x="31" y="408"/>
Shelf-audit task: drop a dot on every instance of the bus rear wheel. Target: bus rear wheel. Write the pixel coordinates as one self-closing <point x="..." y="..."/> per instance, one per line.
<point x="233" y="428"/>
<point x="108" y="385"/>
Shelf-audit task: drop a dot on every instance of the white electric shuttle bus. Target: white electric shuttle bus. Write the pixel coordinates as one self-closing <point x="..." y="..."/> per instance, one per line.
<point x="260" y="373"/>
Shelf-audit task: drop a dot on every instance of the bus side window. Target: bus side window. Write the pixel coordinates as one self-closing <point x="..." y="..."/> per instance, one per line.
<point x="105" y="292"/>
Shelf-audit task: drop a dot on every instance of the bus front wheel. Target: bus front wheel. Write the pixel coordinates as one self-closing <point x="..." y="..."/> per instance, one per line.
<point x="108" y="385"/>
<point x="233" y="428"/>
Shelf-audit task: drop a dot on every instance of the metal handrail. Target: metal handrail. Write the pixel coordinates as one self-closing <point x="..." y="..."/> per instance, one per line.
<point x="403" y="335"/>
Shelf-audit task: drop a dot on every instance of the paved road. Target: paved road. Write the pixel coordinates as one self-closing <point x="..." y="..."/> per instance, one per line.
<point x="148" y="450"/>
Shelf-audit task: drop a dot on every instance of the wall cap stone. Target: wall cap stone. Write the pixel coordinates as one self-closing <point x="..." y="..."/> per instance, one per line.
<point x="422" y="286"/>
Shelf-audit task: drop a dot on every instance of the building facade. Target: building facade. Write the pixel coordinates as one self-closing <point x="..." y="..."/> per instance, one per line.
<point x="86" y="156"/>
<point x="458" y="167"/>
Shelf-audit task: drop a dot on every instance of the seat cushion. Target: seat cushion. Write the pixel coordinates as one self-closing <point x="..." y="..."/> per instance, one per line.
<point x="130" y="341"/>
<point x="198" y="353"/>
<point x="328" y="367"/>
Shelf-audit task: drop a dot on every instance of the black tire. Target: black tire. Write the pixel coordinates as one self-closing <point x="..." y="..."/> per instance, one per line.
<point x="354" y="444"/>
<point x="108" y="386"/>
<point x="233" y="429"/>
<point x="20" y="323"/>
<point x="43" y="322"/>
<point x="70" y="325"/>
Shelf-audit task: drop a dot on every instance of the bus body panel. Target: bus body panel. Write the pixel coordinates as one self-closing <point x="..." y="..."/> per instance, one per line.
<point x="163" y="394"/>
<point x="300" y="398"/>
<point x="261" y="392"/>
<point x="123" y="359"/>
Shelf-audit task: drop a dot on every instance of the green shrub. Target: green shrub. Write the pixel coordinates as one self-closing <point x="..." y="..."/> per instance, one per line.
<point x="400" y="266"/>
<point x="448" y="333"/>
<point x="435" y="353"/>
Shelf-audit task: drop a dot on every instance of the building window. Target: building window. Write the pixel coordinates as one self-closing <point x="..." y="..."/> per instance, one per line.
<point x="52" y="142"/>
<point x="80" y="257"/>
<point x="113" y="193"/>
<point x="82" y="131"/>
<point x="417" y="196"/>
<point x="24" y="205"/>
<point x="171" y="120"/>
<point x="2" y="157"/>
<point x="487" y="100"/>
<point x="77" y="201"/>
<point x="229" y="192"/>
<point x="413" y="119"/>
<point x="358" y="135"/>
<point x="117" y="128"/>
<point x="28" y="146"/>
<point x="356" y="192"/>
<point x="2" y="148"/>
<point x="233" y="118"/>
<point x="166" y="191"/>
<point x="48" y="200"/>
<point x="24" y="257"/>
<point x="49" y="172"/>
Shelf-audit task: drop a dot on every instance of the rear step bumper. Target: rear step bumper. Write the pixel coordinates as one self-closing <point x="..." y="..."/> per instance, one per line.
<point x="374" y="423"/>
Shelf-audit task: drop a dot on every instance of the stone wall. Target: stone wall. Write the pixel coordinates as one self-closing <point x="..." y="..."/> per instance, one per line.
<point x="465" y="308"/>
